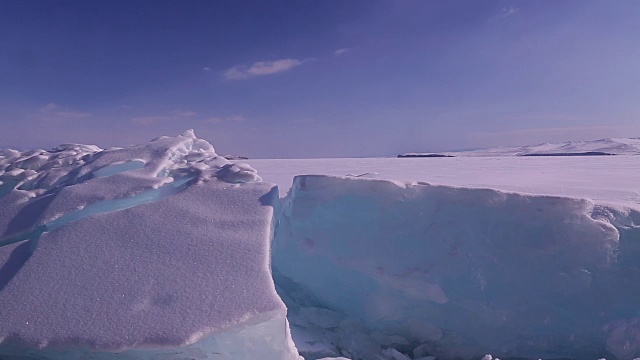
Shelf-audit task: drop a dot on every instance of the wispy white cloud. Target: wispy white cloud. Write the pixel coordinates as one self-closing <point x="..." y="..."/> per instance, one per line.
<point x="218" y="120"/>
<point x="50" y="107"/>
<point x="340" y="51"/>
<point x="236" y="118"/>
<point x="148" y="120"/>
<point x="53" y="111"/>
<point x="186" y="113"/>
<point x="213" y="120"/>
<point x="154" y="119"/>
<point x="74" y="114"/>
<point x="262" y="68"/>
<point x="505" y="12"/>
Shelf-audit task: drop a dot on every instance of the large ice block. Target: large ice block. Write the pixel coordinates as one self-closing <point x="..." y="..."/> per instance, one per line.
<point x="159" y="251"/>
<point x="369" y="267"/>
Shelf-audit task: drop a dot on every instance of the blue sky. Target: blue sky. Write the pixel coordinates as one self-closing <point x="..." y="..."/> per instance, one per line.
<point x="319" y="78"/>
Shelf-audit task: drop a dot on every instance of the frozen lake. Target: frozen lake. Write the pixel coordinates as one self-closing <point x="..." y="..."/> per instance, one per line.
<point x="366" y="269"/>
<point x="604" y="179"/>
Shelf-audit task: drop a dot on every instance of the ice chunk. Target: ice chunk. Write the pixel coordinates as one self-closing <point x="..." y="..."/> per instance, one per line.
<point x="138" y="253"/>
<point x="457" y="272"/>
<point x="77" y="176"/>
<point x="184" y="156"/>
<point x="237" y="173"/>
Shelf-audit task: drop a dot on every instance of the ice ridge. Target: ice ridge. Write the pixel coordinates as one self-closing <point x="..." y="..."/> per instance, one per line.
<point x="371" y="268"/>
<point x="159" y="169"/>
<point x="153" y="251"/>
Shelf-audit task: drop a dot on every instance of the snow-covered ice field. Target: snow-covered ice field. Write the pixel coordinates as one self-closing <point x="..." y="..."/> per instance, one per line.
<point x="611" y="179"/>
<point x="555" y="185"/>
<point x="168" y="251"/>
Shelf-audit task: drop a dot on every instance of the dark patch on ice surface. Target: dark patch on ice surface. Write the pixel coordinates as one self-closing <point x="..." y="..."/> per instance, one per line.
<point x="28" y="216"/>
<point x="271" y="198"/>
<point x="164" y="300"/>
<point x="19" y="256"/>
<point x="8" y="185"/>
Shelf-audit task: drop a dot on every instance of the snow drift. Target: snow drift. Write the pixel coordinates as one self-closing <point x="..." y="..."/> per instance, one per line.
<point x="375" y="267"/>
<point x="158" y="251"/>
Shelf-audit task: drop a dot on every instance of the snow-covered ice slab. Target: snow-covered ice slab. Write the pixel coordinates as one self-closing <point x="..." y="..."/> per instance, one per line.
<point x="604" y="179"/>
<point x="158" y="251"/>
<point x="375" y="269"/>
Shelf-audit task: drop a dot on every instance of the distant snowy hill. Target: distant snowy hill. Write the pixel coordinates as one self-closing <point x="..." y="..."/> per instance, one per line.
<point x="614" y="146"/>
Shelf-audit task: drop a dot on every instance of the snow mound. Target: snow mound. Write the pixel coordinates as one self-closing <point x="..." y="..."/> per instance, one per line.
<point x="164" y="158"/>
<point x="376" y="269"/>
<point x="154" y="251"/>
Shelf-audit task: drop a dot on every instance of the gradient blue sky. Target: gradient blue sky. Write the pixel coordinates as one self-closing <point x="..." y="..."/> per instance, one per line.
<point x="319" y="78"/>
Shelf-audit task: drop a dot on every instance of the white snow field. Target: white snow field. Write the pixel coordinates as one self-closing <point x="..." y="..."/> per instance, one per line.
<point x="168" y="251"/>
<point x="604" y="179"/>
<point x="157" y="251"/>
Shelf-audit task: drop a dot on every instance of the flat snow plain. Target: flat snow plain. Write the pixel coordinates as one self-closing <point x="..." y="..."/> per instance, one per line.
<point x="611" y="180"/>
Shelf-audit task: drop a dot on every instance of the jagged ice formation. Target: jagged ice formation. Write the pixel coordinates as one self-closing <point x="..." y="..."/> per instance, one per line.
<point x="167" y="251"/>
<point x="157" y="251"/>
<point x="373" y="266"/>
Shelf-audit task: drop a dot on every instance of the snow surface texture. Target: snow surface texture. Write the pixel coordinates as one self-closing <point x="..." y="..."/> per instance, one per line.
<point x="157" y="251"/>
<point x="161" y="251"/>
<point x="375" y="269"/>
<point x="612" y="180"/>
<point x="615" y="146"/>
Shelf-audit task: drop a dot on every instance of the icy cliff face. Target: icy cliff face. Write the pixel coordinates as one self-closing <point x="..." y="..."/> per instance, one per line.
<point x="374" y="268"/>
<point x="157" y="251"/>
